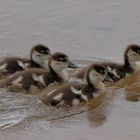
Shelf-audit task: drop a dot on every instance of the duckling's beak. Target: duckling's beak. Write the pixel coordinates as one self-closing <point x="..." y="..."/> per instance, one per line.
<point x="72" y="65"/>
<point x="107" y="78"/>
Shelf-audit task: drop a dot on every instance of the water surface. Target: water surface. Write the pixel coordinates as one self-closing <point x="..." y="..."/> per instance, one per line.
<point x="85" y="30"/>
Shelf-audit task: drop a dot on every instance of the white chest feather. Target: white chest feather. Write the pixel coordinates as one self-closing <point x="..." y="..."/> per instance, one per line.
<point x="39" y="78"/>
<point x="64" y="75"/>
<point x="75" y="101"/>
<point x="76" y="91"/>
<point x="3" y="67"/>
<point x="17" y="81"/>
<point x="79" y="92"/>
<point x="84" y="97"/>
<point x="58" y="97"/>
<point x="23" y="65"/>
<point x="51" y="92"/>
<point x="113" y="71"/>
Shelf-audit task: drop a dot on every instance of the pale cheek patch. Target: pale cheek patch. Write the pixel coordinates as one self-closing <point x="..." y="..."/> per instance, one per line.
<point x="17" y="81"/>
<point x="58" y="66"/>
<point x="23" y="65"/>
<point x="76" y="91"/>
<point x="3" y="67"/>
<point x="93" y="75"/>
<point x="54" y="64"/>
<point x="58" y="97"/>
<point x="131" y="55"/>
<point x="75" y="101"/>
<point x="35" y="56"/>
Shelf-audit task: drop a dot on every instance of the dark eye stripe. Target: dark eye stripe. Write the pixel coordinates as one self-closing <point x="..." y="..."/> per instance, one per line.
<point x="62" y="59"/>
<point x="100" y="69"/>
<point x="44" y="51"/>
<point x="137" y="50"/>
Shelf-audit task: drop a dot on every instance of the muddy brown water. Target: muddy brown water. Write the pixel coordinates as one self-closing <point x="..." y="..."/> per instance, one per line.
<point x="85" y="30"/>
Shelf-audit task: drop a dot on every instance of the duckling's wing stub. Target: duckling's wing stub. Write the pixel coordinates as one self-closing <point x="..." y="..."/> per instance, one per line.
<point x="72" y="65"/>
<point x="107" y="78"/>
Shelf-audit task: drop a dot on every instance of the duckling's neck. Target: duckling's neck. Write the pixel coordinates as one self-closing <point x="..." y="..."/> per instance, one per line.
<point x="61" y="75"/>
<point x="44" y="64"/>
<point x="34" y="64"/>
<point x="130" y="63"/>
<point x="40" y="61"/>
<point x="41" y="64"/>
<point x="95" y="84"/>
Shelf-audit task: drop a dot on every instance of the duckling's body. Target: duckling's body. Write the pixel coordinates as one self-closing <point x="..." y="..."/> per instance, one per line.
<point x="117" y="71"/>
<point x="39" y="54"/>
<point x="75" y="93"/>
<point x="39" y="77"/>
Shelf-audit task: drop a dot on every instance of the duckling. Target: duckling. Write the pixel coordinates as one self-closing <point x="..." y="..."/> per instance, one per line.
<point x="118" y="71"/>
<point x="37" y="77"/>
<point x="72" y="94"/>
<point x="38" y="55"/>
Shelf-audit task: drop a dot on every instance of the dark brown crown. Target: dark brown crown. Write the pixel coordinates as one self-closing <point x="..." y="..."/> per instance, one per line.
<point x="58" y="56"/>
<point x="41" y="49"/>
<point x="97" y="67"/>
<point x="133" y="47"/>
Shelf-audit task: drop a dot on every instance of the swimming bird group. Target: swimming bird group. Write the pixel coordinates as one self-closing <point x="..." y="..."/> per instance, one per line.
<point x="44" y="68"/>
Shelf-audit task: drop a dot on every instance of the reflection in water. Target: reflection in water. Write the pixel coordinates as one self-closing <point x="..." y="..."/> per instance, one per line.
<point x="23" y="111"/>
<point x="99" y="109"/>
<point x="96" y="118"/>
<point x="132" y="97"/>
<point x="94" y="113"/>
<point x="132" y="90"/>
<point x="129" y="86"/>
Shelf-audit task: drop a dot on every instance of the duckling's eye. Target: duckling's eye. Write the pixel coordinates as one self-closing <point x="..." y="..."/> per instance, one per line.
<point x="100" y="69"/>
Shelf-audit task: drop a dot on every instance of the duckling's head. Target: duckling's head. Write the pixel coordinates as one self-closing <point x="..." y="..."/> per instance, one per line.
<point x="58" y="62"/>
<point x="40" y="53"/>
<point x="132" y="53"/>
<point x="95" y="73"/>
